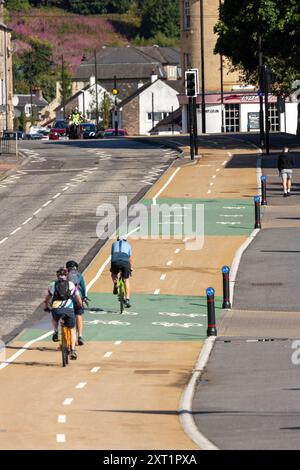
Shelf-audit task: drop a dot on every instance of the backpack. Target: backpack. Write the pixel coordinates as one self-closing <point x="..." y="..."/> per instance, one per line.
<point x="73" y="276"/>
<point x="61" y="290"/>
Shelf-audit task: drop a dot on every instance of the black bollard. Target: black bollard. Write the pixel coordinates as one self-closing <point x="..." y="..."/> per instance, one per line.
<point x="257" y="212"/>
<point x="264" y="201"/>
<point x="211" y="314"/>
<point x="226" y="287"/>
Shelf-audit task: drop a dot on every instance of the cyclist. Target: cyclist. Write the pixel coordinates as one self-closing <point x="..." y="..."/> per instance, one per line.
<point x="121" y="262"/>
<point x="77" y="278"/>
<point x="60" y="300"/>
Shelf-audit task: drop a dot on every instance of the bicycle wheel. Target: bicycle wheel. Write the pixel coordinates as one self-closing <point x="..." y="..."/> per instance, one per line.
<point x="121" y="297"/>
<point x="64" y="347"/>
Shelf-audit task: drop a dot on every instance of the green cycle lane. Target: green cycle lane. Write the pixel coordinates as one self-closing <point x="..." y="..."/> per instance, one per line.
<point x="220" y="217"/>
<point x="151" y="318"/>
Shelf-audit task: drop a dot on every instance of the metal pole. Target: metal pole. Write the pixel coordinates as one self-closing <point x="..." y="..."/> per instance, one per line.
<point x="222" y="81"/>
<point x="192" y="146"/>
<point x="261" y="90"/>
<point x="203" y="109"/>
<point x="63" y="86"/>
<point x="172" y="120"/>
<point x="257" y="212"/>
<point x="267" y="88"/>
<point x="264" y="201"/>
<point x="222" y="95"/>
<point x="211" y="313"/>
<point x="226" y="288"/>
<point x="195" y="126"/>
<point x="96" y="88"/>
<point x="31" y="101"/>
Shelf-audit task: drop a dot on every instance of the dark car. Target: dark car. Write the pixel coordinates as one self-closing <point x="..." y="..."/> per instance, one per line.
<point x="13" y="135"/>
<point x="89" y="131"/>
<point x="59" y="130"/>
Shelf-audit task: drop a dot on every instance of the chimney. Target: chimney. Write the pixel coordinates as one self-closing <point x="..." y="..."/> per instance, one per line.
<point x="153" y="77"/>
<point x="92" y="80"/>
<point x="2" y="3"/>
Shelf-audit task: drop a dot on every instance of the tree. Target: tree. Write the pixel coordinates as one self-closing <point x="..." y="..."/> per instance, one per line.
<point x="106" y="107"/>
<point x="277" y="21"/>
<point x="159" y="16"/>
<point x="17" y="5"/>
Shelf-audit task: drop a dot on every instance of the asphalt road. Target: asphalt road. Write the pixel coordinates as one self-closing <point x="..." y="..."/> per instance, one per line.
<point x="48" y="213"/>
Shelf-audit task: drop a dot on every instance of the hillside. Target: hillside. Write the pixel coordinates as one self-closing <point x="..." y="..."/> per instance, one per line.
<point x="69" y="35"/>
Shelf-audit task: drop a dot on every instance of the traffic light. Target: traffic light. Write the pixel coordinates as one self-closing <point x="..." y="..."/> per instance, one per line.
<point x="115" y="90"/>
<point x="191" y="83"/>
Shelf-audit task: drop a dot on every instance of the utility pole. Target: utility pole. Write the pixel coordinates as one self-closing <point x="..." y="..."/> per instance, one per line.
<point x="261" y="91"/>
<point x="31" y="101"/>
<point x="267" y="83"/>
<point x="202" y="67"/>
<point x="63" y="86"/>
<point x="96" y="89"/>
<point x="115" y="93"/>
<point x="222" y="82"/>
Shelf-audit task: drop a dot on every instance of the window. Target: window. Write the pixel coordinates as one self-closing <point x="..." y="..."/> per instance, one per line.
<point x="27" y="109"/>
<point x="274" y="118"/>
<point x="232" y="117"/>
<point x="186" y="15"/>
<point x="158" y="116"/>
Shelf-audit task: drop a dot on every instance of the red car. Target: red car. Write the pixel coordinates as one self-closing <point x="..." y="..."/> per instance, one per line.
<point x="60" y="129"/>
<point x="111" y="132"/>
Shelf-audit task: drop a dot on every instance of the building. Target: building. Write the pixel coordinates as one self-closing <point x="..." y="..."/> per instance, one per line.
<point x="85" y="101"/>
<point x="6" y="76"/>
<point x="24" y="103"/>
<point x="140" y="112"/>
<point x="231" y="106"/>
<point x="132" y="67"/>
<point x="170" y="125"/>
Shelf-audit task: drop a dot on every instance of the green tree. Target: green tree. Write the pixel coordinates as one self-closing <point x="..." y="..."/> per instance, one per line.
<point x="159" y="16"/>
<point x="106" y="107"/>
<point x="17" y="5"/>
<point x="278" y="23"/>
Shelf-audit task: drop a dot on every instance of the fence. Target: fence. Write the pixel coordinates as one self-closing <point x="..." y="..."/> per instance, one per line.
<point x="9" y="144"/>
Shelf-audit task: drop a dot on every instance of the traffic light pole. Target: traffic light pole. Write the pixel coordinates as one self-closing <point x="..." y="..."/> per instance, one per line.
<point x="191" y="129"/>
<point x="195" y="126"/>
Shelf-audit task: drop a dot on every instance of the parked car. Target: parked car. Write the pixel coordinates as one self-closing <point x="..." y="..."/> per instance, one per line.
<point x="111" y="132"/>
<point x="44" y="133"/>
<point x="13" y="135"/>
<point x="59" y="130"/>
<point x="89" y="131"/>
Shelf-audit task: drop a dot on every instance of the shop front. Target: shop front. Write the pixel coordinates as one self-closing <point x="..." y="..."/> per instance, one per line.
<point x="239" y="112"/>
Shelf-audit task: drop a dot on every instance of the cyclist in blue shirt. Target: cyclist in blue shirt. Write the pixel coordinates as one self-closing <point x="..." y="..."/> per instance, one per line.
<point x="121" y="262"/>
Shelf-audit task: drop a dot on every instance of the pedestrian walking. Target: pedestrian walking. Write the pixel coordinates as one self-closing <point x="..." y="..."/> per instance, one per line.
<point x="286" y="164"/>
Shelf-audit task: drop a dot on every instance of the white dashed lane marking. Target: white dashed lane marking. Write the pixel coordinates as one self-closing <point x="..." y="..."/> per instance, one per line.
<point x="62" y="419"/>
<point x="68" y="401"/>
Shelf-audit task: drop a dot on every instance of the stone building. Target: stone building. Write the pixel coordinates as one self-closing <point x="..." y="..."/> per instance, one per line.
<point x="233" y="107"/>
<point x="6" y="75"/>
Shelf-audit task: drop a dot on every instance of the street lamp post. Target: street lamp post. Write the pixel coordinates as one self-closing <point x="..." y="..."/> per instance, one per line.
<point x="63" y="86"/>
<point x="202" y="67"/>
<point x="96" y="88"/>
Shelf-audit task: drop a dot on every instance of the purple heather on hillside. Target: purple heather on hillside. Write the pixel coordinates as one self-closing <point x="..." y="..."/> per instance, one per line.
<point x="70" y="35"/>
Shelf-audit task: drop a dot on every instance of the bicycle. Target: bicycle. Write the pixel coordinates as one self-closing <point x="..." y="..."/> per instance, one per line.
<point x="65" y="342"/>
<point x="121" y="293"/>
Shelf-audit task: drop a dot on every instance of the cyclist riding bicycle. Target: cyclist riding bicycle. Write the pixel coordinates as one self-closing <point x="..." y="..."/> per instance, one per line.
<point x="59" y="300"/>
<point x="77" y="278"/>
<point x="121" y="262"/>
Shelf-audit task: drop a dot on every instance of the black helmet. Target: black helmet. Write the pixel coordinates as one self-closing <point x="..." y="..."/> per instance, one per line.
<point x="62" y="272"/>
<point x="71" y="264"/>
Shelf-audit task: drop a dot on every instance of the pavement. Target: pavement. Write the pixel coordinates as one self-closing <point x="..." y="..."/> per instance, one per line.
<point x="248" y="396"/>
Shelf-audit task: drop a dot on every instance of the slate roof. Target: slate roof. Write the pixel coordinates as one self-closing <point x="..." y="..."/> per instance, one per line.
<point x="128" y="62"/>
<point x="26" y="99"/>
